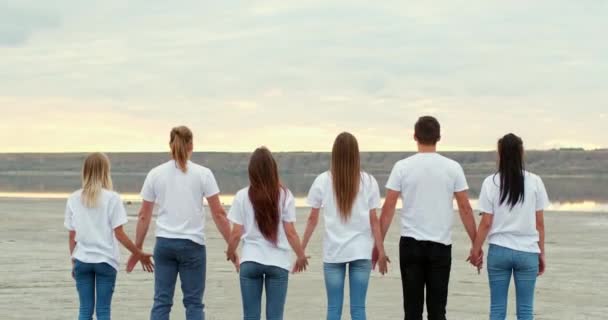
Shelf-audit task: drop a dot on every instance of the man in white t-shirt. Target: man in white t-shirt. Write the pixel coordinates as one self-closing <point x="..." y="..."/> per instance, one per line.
<point x="427" y="183"/>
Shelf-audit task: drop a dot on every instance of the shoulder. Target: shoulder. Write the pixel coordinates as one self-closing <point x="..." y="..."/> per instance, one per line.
<point x="111" y="196"/>
<point x="368" y="178"/>
<point x="158" y="169"/>
<point x="451" y="163"/>
<point x="321" y="179"/>
<point x="491" y="181"/>
<point x="403" y="163"/>
<point x="199" y="169"/>
<point x="536" y="179"/>
<point x="75" y="196"/>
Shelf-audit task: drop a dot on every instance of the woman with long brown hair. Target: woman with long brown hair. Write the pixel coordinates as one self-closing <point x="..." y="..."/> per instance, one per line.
<point x="349" y="198"/>
<point x="263" y="217"/>
<point x="178" y="187"/>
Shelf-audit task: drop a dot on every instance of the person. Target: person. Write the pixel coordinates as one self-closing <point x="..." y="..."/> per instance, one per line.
<point x="349" y="198"/>
<point x="263" y="217"/>
<point x="94" y="216"/>
<point x="178" y="187"/>
<point x="512" y="202"/>
<point x="427" y="183"/>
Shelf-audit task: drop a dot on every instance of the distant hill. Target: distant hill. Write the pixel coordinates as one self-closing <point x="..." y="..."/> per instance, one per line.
<point x="60" y="172"/>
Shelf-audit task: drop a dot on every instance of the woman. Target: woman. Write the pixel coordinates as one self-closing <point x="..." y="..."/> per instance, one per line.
<point x="263" y="216"/>
<point x="95" y="216"/>
<point x="178" y="188"/>
<point x="349" y="198"/>
<point x="512" y="202"/>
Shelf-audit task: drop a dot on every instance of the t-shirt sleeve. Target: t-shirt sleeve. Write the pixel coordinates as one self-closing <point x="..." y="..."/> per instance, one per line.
<point x="542" y="198"/>
<point x="289" y="208"/>
<point x="147" y="190"/>
<point x="118" y="215"/>
<point x="461" y="181"/>
<point x="210" y="187"/>
<point x="395" y="178"/>
<point x="315" y="194"/>
<point x="235" y="214"/>
<point x="485" y="203"/>
<point x="373" y="200"/>
<point x="68" y="220"/>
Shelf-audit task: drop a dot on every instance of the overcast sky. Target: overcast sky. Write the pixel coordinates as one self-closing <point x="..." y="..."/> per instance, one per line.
<point x="116" y="75"/>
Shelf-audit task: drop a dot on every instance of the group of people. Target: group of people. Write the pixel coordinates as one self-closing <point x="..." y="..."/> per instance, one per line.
<point x="262" y="218"/>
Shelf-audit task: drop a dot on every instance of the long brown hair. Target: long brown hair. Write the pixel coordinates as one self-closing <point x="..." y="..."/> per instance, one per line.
<point x="345" y="172"/>
<point x="95" y="177"/>
<point x="181" y="145"/>
<point x="265" y="192"/>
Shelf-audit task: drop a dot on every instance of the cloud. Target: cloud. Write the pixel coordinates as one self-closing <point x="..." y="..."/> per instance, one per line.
<point x="484" y="68"/>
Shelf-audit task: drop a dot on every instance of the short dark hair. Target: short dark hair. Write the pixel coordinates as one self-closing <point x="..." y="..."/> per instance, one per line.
<point x="427" y="130"/>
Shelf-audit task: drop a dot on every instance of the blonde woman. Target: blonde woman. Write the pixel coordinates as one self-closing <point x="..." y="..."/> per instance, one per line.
<point x="178" y="187"/>
<point x="349" y="198"/>
<point x="95" y="216"/>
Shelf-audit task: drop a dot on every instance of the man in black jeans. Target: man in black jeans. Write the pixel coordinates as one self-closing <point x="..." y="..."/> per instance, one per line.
<point x="427" y="183"/>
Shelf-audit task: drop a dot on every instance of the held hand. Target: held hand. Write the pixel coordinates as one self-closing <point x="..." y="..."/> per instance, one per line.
<point x="476" y="259"/>
<point x="383" y="262"/>
<point x="132" y="262"/>
<point x="374" y="258"/>
<point x="541" y="264"/>
<point x="301" y="264"/>
<point x="146" y="262"/>
<point x="234" y="258"/>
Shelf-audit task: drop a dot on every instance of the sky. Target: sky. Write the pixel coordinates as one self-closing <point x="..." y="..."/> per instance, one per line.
<point x="116" y="75"/>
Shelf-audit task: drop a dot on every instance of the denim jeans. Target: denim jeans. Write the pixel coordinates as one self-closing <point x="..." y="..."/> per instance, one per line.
<point x="502" y="262"/>
<point x="94" y="279"/>
<point x="173" y="257"/>
<point x="425" y="265"/>
<point x="254" y="277"/>
<point x="358" y="277"/>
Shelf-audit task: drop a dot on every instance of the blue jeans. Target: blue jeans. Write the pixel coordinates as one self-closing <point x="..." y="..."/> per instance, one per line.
<point x="502" y="262"/>
<point x="253" y="277"/>
<point x="173" y="257"/>
<point x="358" y="276"/>
<point x="91" y="277"/>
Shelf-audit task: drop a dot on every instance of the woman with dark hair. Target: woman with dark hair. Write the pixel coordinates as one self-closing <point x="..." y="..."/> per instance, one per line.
<point x="263" y="217"/>
<point x="349" y="198"/>
<point x="512" y="202"/>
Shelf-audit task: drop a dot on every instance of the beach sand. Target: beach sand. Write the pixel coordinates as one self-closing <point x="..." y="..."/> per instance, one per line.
<point x="35" y="280"/>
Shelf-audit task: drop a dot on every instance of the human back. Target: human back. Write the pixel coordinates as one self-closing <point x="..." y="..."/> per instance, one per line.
<point x="179" y="197"/>
<point x="427" y="182"/>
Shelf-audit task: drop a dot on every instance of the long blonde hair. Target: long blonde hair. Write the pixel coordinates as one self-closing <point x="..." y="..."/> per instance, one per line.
<point x="95" y="177"/>
<point x="181" y="144"/>
<point x="345" y="172"/>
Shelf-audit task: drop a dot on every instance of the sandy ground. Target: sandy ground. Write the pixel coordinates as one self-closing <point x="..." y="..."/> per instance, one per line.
<point x="35" y="281"/>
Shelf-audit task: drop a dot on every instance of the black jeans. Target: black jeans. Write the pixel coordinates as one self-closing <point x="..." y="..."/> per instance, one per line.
<point x="424" y="264"/>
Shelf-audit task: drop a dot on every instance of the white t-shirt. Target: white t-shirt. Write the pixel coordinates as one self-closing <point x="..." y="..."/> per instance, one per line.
<point x="94" y="227"/>
<point x="350" y="240"/>
<point x="255" y="247"/>
<point x="514" y="228"/>
<point x="179" y="197"/>
<point x="427" y="182"/>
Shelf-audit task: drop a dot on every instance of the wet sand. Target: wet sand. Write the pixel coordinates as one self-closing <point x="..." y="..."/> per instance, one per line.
<point x="35" y="280"/>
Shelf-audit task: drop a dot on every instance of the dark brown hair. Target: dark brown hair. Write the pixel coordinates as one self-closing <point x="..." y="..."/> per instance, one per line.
<point x="345" y="172"/>
<point x="511" y="169"/>
<point x="180" y="139"/>
<point x="265" y="192"/>
<point x="427" y="130"/>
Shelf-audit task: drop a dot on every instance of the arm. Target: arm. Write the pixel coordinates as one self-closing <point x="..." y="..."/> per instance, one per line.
<point x="378" y="241"/>
<point x="466" y="214"/>
<point x="313" y="220"/>
<point x="233" y="243"/>
<point x="484" y="228"/>
<point x="540" y="226"/>
<point x="219" y="216"/>
<point x="388" y="211"/>
<point x="72" y="241"/>
<point x="143" y="224"/>
<point x="294" y="242"/>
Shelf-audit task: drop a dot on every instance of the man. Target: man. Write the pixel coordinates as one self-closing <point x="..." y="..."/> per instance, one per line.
<point x="427" y="183"/>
